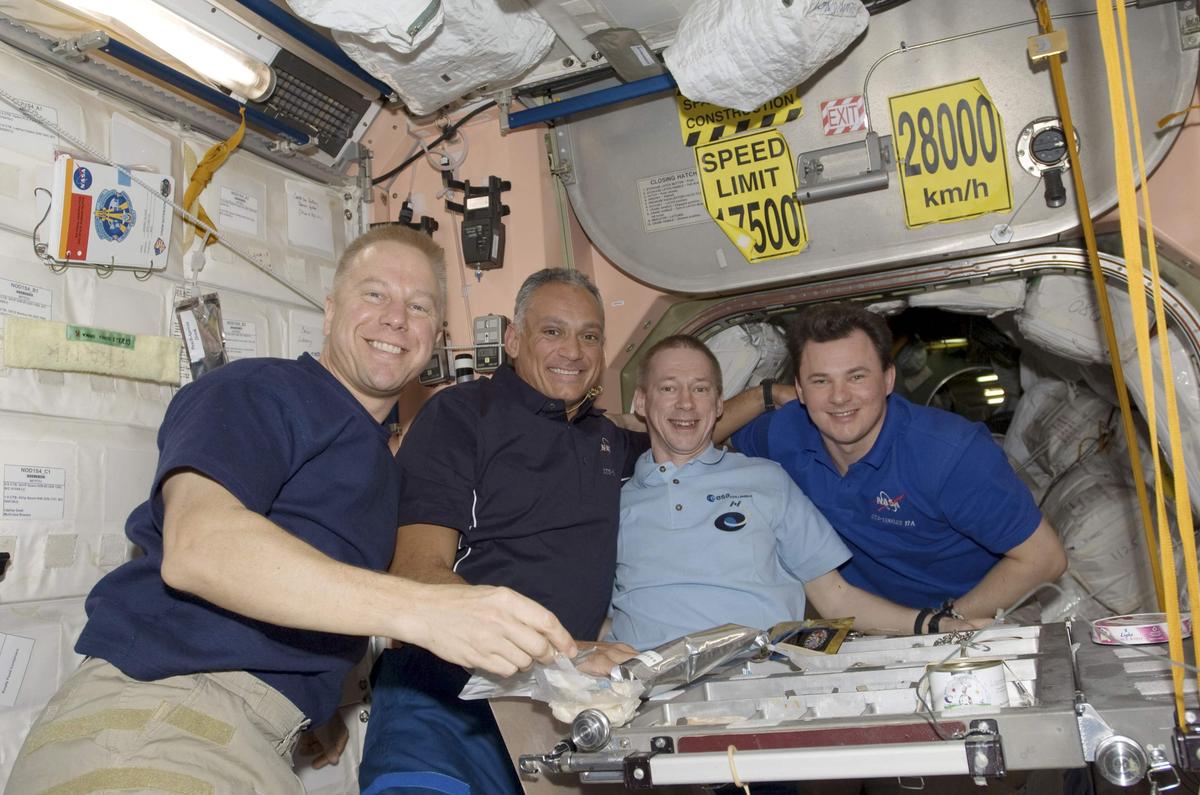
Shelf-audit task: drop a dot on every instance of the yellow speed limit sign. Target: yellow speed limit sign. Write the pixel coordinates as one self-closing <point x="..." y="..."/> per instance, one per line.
<point x="950" y="153"/>
<point x="749" y="188"/>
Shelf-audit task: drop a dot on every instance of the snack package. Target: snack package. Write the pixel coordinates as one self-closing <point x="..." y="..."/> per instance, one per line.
<point x="686" y="659"/>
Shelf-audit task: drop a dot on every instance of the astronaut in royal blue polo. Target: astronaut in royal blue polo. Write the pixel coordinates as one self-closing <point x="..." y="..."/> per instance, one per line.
<point x="925" y="500"/>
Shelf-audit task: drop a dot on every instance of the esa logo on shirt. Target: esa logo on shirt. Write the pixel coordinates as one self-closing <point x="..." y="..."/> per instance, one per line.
<point x="730" y="522"/>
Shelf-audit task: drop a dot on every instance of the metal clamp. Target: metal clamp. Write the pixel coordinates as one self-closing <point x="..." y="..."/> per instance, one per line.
<point x="985" y="754"/>
<point x="77" y="49"/>
<point x="810" y="170"/>
<point x="532" y="764"/>
<point x="1187" y="747"/>
<point x="1162" y="774"/>
<point x="637" y="766"/>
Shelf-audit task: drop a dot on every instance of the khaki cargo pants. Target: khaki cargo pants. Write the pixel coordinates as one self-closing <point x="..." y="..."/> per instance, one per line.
<point x="204" y="734"/>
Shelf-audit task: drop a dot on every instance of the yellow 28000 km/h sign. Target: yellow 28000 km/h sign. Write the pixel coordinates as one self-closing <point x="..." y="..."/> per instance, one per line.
<point x="749" y="188"/>
<point x="950" y="153"/>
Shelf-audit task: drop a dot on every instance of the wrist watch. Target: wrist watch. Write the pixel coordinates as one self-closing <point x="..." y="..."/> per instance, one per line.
<point x="768" y="398"/>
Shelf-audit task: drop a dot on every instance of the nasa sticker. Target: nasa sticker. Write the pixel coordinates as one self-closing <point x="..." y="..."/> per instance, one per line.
<point x="730" y="522"/>
<point x="82" y="178"/>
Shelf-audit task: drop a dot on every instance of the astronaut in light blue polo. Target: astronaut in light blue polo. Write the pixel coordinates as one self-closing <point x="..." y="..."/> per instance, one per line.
<point x="710" y="537"/>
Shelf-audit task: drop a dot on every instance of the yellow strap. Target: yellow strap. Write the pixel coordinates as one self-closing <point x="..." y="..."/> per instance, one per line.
<point x="1183" y="502"/>
<point x="1170" y="117"/>
<point x="1110" y="334"/>
<point x="213" y="159"/>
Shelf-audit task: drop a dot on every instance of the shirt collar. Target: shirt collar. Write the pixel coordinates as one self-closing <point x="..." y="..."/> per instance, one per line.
<point x="309" y="361"/>
<point x="507" y="380"/>
<point x="648" y="471"/>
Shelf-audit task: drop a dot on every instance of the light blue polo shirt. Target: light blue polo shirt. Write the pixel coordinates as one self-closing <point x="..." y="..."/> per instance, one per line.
<point x="926" y="512"/>
<point x="722" y="539"/>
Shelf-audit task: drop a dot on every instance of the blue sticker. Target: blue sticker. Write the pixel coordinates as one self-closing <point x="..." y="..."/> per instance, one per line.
<point x="114" y="215"/>
<point x="123" y="177"/>
<point x="82" y="178"/>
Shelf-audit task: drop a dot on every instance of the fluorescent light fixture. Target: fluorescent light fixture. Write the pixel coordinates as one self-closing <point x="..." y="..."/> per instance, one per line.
<point x="994" y="392"/>
<point x="987" y="379"/>
<point x="995" y="401"/>
<point x="200" y="50"/>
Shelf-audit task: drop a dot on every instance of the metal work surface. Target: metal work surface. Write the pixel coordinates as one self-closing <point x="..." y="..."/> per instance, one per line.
<point x="867" y="706"/>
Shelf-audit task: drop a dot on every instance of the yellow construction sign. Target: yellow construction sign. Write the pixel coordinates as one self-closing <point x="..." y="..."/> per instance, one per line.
<point x="704" y="122"/>
<point x="749" y="188"/>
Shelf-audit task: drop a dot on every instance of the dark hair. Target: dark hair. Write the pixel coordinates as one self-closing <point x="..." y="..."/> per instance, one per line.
<point x="676" y="341"/>
<point x="836" y="321"/>
<point x="536" y="281"/>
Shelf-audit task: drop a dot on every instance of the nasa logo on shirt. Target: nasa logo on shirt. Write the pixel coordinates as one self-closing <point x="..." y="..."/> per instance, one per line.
<point x="886" y="507"/>
<point x="730" y="522"/>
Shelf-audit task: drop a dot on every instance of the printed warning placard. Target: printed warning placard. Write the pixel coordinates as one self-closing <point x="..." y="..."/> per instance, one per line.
<point x="704" y="122"/>
<point x="671" y="200"/>
<point x="749" y="188"/>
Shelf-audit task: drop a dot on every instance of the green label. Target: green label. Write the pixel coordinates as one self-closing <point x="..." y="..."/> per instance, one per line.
<point x="117" y="339"/>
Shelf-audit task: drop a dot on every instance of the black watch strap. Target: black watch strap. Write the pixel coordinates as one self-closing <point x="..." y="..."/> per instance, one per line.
<point x="768" y="398"/>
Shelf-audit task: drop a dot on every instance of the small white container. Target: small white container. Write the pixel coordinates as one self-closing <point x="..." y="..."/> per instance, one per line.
<point x="967" y="685"/>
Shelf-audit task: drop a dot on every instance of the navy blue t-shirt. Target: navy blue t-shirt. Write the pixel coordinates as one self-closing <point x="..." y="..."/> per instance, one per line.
<point x="291" y="443"/>
<point x="926" y="512"/>
<point x="535" y="497"/>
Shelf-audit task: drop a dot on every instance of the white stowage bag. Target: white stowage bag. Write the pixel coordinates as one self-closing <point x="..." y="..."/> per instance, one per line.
<point x="1057" y="422"/>
<point x="1098" y="520"/>
<point x="1061" y="315"/>
<point x="747" y="354"/>
<point x="402" y="24"/>
<point x="480" y="43"/>
<point x="980" y="299"/>
<point x="744" y="53"/>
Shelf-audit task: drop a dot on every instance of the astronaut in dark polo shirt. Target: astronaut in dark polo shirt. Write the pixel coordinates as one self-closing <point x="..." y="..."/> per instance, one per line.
<point x="513" y="481"/>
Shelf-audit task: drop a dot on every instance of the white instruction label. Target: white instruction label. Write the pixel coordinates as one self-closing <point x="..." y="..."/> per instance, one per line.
<point x="238" y="211"/>
<point x="671" y="200"/>
<point x="25" y="300"/>
<point x="32" y="492"/>
<point x="241" y="338"/>
<point x="21" y="134"/>
<point x="309" y="220"/>
<point x="185" y="369"/>
<point x="307" y="337"/>
<point x="15" y="653"/>
<point x="192" y="342"/>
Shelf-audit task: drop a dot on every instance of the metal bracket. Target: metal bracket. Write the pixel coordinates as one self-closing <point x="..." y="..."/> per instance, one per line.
<point x="558" y="145"/>
<point x="1092" y="729"/>
<point x="1187" y="747"/>
<point x="1189" y="24"/>
<point x="637" y="766"/>
<point x="985" y="754"/>
<point x="77" y="49"/>
<point x="810" y="170"/>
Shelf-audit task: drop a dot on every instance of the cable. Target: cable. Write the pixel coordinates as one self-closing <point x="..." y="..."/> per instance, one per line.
<point x="447" y="134"/>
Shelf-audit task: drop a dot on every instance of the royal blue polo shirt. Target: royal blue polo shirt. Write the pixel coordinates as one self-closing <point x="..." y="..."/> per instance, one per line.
<point x="533" y="495"/>
<point x="926" y="512"/>
<point x="292" y="444"/>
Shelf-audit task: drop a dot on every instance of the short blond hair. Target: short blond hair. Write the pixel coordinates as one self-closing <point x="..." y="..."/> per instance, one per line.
<point x="395" y="233"/>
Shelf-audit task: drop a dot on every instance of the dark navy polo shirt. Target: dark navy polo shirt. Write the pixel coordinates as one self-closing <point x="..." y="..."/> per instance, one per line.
<point x="926" y="512"/>
<point x="291" y="443"/>
<point x="534" y="497"/>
